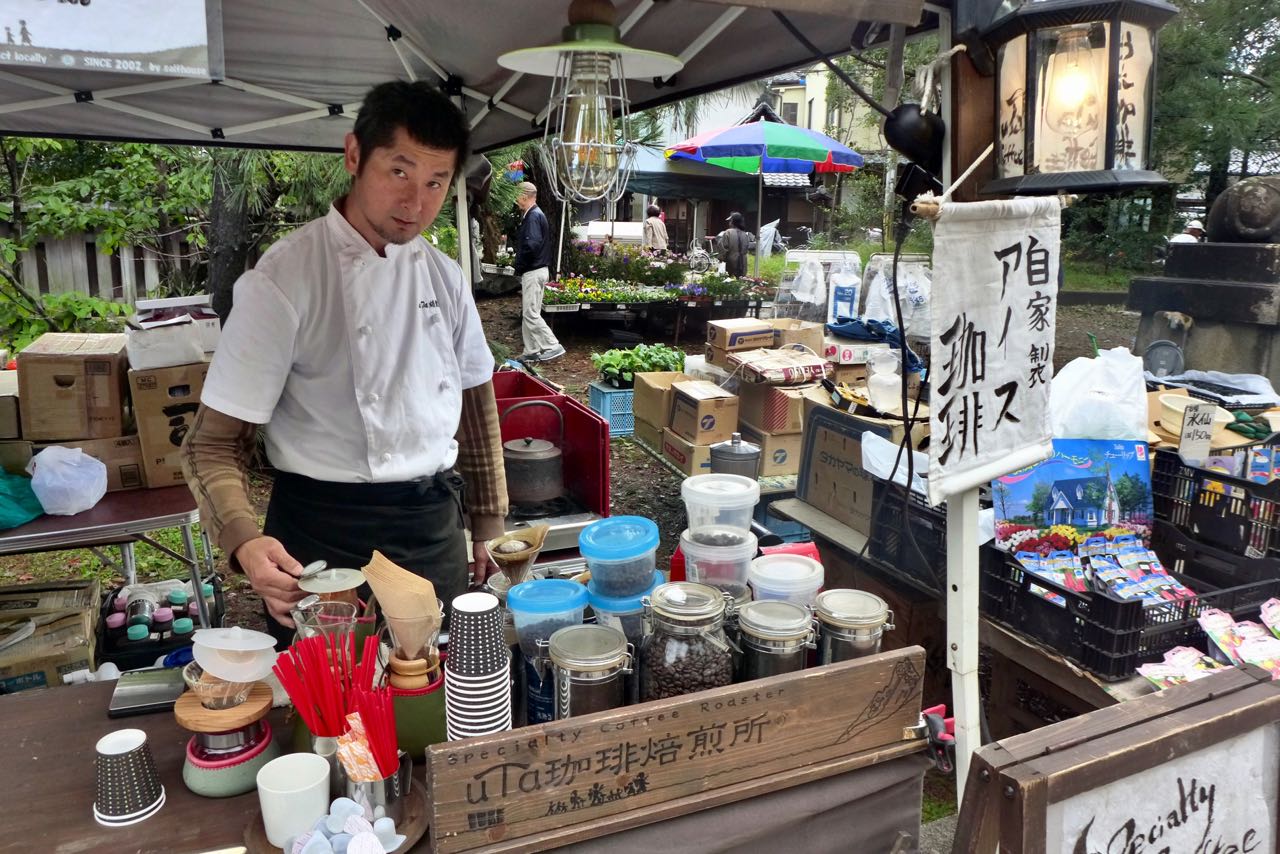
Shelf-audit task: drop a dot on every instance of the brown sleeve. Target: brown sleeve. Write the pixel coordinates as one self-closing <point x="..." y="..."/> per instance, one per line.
<point x="480" y="462"/>
<point x="215" y="460"/>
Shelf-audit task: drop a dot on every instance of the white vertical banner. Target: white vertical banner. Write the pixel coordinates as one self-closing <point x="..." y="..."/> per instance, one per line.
<point x="994" y="302"/>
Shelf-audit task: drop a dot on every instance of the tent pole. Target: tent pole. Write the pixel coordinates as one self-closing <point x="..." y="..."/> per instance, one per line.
<point x="463" y="215"/>
<point x="962" y="628"/>
<point x="564" y="213"/>
<point x="759" y="218"/>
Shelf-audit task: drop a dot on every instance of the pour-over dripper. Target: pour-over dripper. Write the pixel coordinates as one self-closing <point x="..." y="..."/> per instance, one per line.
<point x="212" y="692"/>
<point x="315" y="617"/>
<point x="514" y="553"/>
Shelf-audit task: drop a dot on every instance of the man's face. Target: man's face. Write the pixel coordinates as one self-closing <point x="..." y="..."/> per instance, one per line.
<point x="398" y="189"/>
<point x="524" y="201"/>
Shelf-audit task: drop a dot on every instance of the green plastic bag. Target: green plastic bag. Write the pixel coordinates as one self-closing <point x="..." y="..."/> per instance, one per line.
<point x="18" y="504"/>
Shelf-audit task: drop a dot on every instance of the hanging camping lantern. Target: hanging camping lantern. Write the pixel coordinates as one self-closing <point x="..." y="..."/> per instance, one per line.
<point x="1075" y="85"/>
<point x="586" y="152"/>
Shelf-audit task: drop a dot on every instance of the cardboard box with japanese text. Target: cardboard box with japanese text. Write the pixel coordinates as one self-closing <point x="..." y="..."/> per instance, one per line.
<point x="72" y="386"/>
<point x="790" y="333"/>
<point x="689" y="458"/>
<point x="62" y="642"/>
<point x="831" y="477"/>
<point x="739" y="333"/>
<point x="703" y="413"/>
<point x="847" y="351"/>
<point x="651" y="400"/>
<point x="48" y="597"/>
<point x="779" y="452"/>
<point x="164" y="403"/>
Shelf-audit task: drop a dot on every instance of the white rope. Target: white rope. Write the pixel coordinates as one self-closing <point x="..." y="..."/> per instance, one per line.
<point x="923" y="84"/>
<point x="986" y="152"/>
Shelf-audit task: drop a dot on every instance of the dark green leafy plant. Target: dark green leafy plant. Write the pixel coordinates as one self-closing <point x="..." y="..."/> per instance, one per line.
<point x="24" y="317"/>
<point x="623" y="365"/>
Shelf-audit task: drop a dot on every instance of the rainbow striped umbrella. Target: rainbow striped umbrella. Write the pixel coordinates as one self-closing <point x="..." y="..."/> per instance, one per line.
<point x="761" y="147"/>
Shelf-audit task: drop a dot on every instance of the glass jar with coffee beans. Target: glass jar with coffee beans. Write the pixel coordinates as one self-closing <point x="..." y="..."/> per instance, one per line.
<point x="686" y="650"/>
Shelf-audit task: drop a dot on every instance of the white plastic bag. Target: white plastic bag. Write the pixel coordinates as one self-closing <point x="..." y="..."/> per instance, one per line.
<point x="67" y="481"/>
<point x="810" y="285"/>
<point x="842" y="288"/>
<point x="1101" y="398"/>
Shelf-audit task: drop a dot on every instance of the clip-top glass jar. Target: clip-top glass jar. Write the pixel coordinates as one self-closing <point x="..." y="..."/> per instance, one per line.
<point x="687" y="650"/>
<point x="589" y="663"/>
<point x="776" y="637"/>
<point x="850" y="624"/>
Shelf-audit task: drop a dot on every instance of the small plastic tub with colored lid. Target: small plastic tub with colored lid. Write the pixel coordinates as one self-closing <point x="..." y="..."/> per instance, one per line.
<point x="542" y="606"/>
<point x="621" y="553"/>
<point x="624" y="613"/>
<point x="794" y="578"/>
<point x="720" y="499"/>
<point x="718" y="555"/>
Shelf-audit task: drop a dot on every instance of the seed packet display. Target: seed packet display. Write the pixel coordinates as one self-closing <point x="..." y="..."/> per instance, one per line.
<point x="1228" y="464"/>
<point x="1271" y="616"/>
<point x="1181" y="664"/>
<point x="1261" y="464"/>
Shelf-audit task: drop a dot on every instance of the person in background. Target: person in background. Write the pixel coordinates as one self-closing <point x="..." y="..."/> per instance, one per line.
<point x="734" y="245"/>
<point x="1193" y="233"/>
<point x="655" y="230"/>
<point x="357" y="347"/>
<point x="533" y="266"/>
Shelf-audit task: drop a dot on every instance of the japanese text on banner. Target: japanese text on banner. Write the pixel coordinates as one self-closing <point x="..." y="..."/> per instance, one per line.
<point x="996" y="266"/>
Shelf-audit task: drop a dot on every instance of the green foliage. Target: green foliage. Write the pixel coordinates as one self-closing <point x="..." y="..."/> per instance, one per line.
<point x="22" y="322"/>
<point x="601" y="291"/>
<point x="617" y="261"/>
<point x="1040" y="497"/>
<point x="625" y="364"/>
<point x="444" y="236"/>
<point x="1131" y="494"/>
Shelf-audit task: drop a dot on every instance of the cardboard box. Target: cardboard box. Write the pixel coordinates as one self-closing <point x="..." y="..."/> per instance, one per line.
<point x="72" y="386"/>
<point x="122" y="456"/>
<point x="781" y="367"/>
<point x="703" y="413"/>
<point x="739" y="333"/>
<point x="165" y="403"/>
<point x="198" y="307"/>
<point x="718" y="358"/>
<point x="650" y="434"/>
<point x="62" y="643"/>
<point x="651" y="400"/>
<point x="689" y="458"/>
<point x="845" y="351"/>
<point x="14" y="456"/>
<point x="831" y="477"/>
<point x="885" y="427"/>
<point x="802" y="334"/>
<point x="772" y="408"/>
<point x="10" y="420"/>
<point x="850" y="375"/>
<point x="779" y="453"/>
<point x="26" y="600"/>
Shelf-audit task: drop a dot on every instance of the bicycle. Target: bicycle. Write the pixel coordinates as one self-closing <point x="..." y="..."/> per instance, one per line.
<point x="699" y="259"/>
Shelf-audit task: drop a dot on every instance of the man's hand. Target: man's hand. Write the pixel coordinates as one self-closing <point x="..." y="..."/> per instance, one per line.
<point x="482" y="565"/>
<point x="273" y="574"/>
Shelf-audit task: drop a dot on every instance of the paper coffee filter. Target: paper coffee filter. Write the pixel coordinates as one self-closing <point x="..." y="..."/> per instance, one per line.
<point x="412" y="634"/>
<point x="401" y="594"/>
<point x="516" y="564"/>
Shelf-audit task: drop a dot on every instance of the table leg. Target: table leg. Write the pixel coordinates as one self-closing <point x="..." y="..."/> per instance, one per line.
<point x="127" y="560"/>
<point x="208" y="553"/>
<point x="189" y="543"/>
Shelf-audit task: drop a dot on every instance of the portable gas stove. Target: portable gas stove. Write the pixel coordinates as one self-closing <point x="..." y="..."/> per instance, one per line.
<point x="566" y="517"/>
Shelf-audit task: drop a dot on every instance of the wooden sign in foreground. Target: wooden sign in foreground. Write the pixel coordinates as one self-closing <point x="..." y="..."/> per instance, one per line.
<point x="1192" y="768"/>
<point x="546" y="785"/>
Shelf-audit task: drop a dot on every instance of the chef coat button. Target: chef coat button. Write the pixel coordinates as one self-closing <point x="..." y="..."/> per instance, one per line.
<point x="386" y="458"/>
<point x="374" y="397"/>
<point x="364" y="330"/>
<point x="444" y="384"/>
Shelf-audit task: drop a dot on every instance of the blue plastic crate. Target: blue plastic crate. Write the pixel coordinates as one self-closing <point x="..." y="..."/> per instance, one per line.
<point x="614" y="405"/>
<point x="789" y="531"/>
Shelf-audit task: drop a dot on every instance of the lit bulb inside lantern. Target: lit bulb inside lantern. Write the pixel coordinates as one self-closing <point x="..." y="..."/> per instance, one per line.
<point x="1073" y="101"/>
<point x="588" y="156"/>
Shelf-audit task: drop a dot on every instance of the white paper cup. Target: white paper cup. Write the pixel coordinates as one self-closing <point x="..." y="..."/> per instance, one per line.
<point x="293" y="791"/>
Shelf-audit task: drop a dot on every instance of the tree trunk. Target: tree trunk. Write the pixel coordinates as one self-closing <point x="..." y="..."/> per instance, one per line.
<point x="1218" y="179"/>
<point x="229" y="230"/>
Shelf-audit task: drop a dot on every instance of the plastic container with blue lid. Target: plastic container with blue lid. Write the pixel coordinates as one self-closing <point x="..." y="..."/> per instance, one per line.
<point x="542" y="606"/>
<point x="624" y="613"/>
<point x="621" y="553"/>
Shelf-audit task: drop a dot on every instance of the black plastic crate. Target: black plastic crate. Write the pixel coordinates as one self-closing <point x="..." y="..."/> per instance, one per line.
<point x="145" y="655"/>
<point x="898" y="511"/>
<point x="1232" y="513"/>
<point x="1110" y="636"/>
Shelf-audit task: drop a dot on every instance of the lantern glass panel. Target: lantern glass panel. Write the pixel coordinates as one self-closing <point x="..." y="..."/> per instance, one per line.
<point x="1011" y="119"/>
<point x="1134" y="96"/>
<point x="1071" y="94"/>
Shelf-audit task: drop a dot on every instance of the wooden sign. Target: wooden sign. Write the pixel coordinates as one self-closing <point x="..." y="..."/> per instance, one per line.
<point x="546" y="785"/>
<point x="1189" y="769"/>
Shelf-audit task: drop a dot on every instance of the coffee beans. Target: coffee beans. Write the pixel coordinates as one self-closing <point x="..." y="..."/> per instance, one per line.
<point x="512" y="546"/>
<point x="623" y="577"/>
<point x="719" y="539"/>
<point x="672" y="665"/>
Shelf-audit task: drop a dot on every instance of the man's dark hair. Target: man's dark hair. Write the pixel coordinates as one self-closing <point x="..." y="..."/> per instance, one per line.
<point x="653" y="210"/>
<point x="426" y="114"/>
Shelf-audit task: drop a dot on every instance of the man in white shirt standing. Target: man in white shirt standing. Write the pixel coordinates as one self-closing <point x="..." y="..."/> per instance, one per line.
<point x="1193" y="233"/>
<point x="357" y="346"/>
<point x="533" y="266"/>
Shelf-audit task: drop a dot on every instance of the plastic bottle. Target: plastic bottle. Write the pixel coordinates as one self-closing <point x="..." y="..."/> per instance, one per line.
<point x="108" y="672"/>
<point x="178" y="601"/>
<point x="116" y="628"/>
<point x="137" y="635"/>
<point x="206" y="590"/>
<point x="162" y="621"/>
<point x="182" y="628"/>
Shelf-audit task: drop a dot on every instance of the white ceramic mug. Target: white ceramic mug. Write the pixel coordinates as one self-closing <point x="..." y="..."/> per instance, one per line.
<point x="293" y="791"/>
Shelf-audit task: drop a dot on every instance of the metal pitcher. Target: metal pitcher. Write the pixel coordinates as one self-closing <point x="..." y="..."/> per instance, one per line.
<point x="535" y="467"/>
<point x="736" y="456"/>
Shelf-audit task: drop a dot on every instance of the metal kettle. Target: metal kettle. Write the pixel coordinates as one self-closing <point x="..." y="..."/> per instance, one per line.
<point x="736" y="456"/>
<point x="535" y="467"/>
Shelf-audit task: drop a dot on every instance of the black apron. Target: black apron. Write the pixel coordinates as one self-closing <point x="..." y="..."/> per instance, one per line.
<point x="417" y="524"/>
